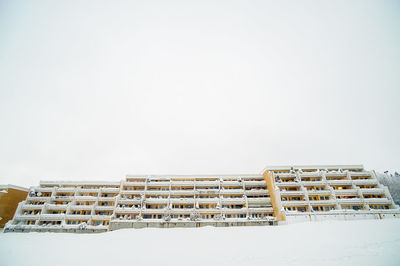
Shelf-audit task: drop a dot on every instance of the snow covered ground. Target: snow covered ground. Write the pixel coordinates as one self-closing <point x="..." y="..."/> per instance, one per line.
<point x="369" y="242"/>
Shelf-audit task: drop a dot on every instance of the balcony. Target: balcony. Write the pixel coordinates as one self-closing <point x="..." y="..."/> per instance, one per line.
<point x="239" y="210"/>
<point x="155" y="211"/>
<point x="262" y="210"/>
<point x="365" y="182"/>
<point x="109" y="190"/>
<point x="81" y="207"/>
<point x="66" y="189"/>
<point x="62" y="198"/>
<point x="313" y="183"/>
<point x="89" y="190"/>
<point x="322" y="202"/>
<point x="135" y="178"/>
<point x="52" y="217"/>
<point x="77" y="217"/>
<point x="356" y="201"/>
<point x="106" y="198"/>
<point x="183" y="201"/>
<point x="288" y="184"/>
<point x="134" y="184"/>
<point x="189" y="192"/>
<point x="32" y="207"/>
<point x="207" y="191"/>
<point x="209" y="210"/>
<point x="156" y="201"/>
<point x="42" y="199"/>
<point x="344" y="182"/>
<point x="44" y="189"/>
<point x="318" y="192"/>
<point x="292" y="193"/>
<point x="234" y="183"/>
<point x="285" y="175"/>
<point x="310" y="175"/>
<point x="253" y="192"/>
<point x="259" y="201"/>
<point x="132" y="192"/>
<point x="207" y="183"/>
<point x="226" y="191"/>
<point x="358" y="174"/>
<point x="261" y="183"/>
<point x="56" y="207"/>
<point x="129" y="201"/>
<point x="104" y="208"/>
<point x="25" y="217"/>
<point x="158" y="184"/>
<point x="373" y="191"/>
<point x="101" y="217"/>
<point x="346" y="192"/>
<point x="207" y="200"/>
<point x="158" y="192"/>
<point x="126" y="210"/>
<point x="86" y="198"/>
<point x="294" y="203"/>
<point x="332" y="174"/>
<point x="233" y="201"/>
<point x="378" y="201"/>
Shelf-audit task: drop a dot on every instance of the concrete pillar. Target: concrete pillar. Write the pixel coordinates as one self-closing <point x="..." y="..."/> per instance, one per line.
<point x="274" y="196"/>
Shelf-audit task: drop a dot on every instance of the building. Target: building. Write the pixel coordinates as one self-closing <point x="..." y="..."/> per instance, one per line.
<point x="279" y="195"/>
<point x="341" y="192"/>
<point x="10" y="196"/>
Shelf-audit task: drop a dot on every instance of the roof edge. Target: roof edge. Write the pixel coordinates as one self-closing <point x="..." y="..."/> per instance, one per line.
<point x="14" y="187"/>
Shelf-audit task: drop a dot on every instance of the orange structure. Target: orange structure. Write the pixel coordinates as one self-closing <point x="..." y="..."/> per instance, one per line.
<point x="10" y="196"/>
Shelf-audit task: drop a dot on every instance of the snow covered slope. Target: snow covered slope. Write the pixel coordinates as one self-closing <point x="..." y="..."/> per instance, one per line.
<point x="370" y="242"/>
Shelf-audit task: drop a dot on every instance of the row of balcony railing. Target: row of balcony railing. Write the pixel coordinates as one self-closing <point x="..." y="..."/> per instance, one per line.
<point x="320" y="173"/>
<point x="330" y="182"/>
<point x="350" y="201"/>
<point x="58" y="217"/>
<point x="66" y="186"/>
<point x="364" y="191"/>
<point x="149" y="192"/>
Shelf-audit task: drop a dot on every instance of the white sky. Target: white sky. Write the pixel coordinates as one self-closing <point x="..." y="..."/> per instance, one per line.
<point x="94" y="90"/>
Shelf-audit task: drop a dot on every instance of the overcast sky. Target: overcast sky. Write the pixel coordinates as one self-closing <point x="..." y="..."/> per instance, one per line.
<point x="95" y="90"/>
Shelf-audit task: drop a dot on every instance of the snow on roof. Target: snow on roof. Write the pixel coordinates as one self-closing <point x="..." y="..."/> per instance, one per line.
<point x="194" y="176"/>
<point x="8" y="186"/>
<point x="79" y="182"/>
<point x="314" y="167"/>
